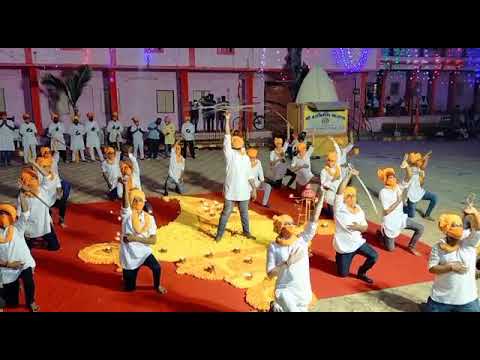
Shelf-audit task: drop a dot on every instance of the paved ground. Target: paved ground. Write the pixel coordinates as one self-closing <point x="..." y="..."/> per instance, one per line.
<point x="454" y="172"/>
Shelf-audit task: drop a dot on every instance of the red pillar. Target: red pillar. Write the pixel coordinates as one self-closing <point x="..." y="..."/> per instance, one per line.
<point x="191" y="57"/>
<point x="249" y="98"/>
<point x="34" y="90"/>
<point x="183" y="95"/>
<point x="382" y="93"/>
<point x="112" y="82"/>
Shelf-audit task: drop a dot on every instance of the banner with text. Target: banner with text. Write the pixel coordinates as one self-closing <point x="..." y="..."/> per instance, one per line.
<point x="330" y="122"/>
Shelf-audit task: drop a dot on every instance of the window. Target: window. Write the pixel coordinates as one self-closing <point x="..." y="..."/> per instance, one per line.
<point x="198" y="94"/>
<point x="165" y="101"/>
<point x="3" y="106"/>
<point x="225" y="51"/>
<point x="394" y="88"/>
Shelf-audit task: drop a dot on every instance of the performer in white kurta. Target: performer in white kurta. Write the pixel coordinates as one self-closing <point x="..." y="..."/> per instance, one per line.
<point x="287" y="258"/>
<point x="56" y="131"/>
<point x="39" y="223"/>
<point x="77" y="145"/>
<point x="28" y="132"/>
<point x="453" y="261"/>
<point x="93" y="137"/>
<point x="278" y="163"/>
<point x="238" y="182"/>
<point x="415" y="165"/>
<point x="7" y="144"/>
<point x="394" y="219"/>
<point x="258" y="178"/>
<point x="139" y="232"/>
<point x="350" y="223"/>
<point x="114" y="130"/>
<point x="16" y="261"/>
<point x="137" y="132"/>
<point x="176" y="169"/>
<point x="330" y="178"/>
<point x="111" y="172"/>
<point x="302" y="167"/>
<point x="343" y="154"/>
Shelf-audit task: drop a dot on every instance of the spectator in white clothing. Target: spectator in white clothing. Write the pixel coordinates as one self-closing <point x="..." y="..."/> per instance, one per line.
<point x="136" y="132"/>
<point x="93" y="137"/>
<point x="7" y="143"/>
<point x="28" y="133"/>
<point x="258" y="178"/>
<point x="350" y="223"/>
<point x="188" y="134"/>
<point x="77" y="145"/>
<point x="453" y="261"/>
<point x="238" y="182"/>
<point x="175" y="171"/>
<point x="56" y="133"/>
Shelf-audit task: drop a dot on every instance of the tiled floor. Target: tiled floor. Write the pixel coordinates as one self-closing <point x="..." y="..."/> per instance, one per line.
<point x="454" y="172"/>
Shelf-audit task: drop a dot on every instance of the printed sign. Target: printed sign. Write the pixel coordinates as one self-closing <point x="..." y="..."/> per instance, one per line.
<point x="331" y="122"/>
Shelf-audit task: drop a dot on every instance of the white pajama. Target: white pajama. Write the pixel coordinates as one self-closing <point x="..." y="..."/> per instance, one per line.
<point x="93" y="139"/>
<point x="76" y="141"/>
<point x="138" y="145"/>
<point x="28" y="134"/>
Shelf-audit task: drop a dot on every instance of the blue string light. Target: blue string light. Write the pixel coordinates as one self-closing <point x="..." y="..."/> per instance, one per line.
<point x="344" y="58"/>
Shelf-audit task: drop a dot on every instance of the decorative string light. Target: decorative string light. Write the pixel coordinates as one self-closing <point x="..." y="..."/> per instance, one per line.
<point x="344" y="57"/>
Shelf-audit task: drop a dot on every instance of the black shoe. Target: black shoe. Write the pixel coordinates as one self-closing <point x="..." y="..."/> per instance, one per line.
<point x="250" y="236"/>
<point x="365" y="278"/>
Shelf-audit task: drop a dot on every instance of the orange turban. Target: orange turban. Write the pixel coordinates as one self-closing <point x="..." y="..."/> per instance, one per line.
<point x="332" y="156"/>
<point x="109" y="150"/>
<point x="237" y="142"/>
<point x="54" y="116"/>
<point x="26" y="116"/>
<point x="446" y="222"/>
<point x="136" y="194"/>
<point x="414" y="158"/>
<point x="252" y="153"/>
<point x="383" y="174"/>
<point x="45" y="152"/>
<point x="285" y="227"/>
<point x="350" y="191"/>
<point x="115" y="114"/>
<point x="278" y="141"/>
<point x="29" y="177"/>
<point x="44" y="161"/>
<point x="90" y="114"/>
<point x="10" y="217"/>
<point x="302" y="147"/>
<point x="356" y="150"/>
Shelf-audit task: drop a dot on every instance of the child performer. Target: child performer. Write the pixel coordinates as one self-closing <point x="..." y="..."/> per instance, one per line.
<point x="139" y="231"/>
<point x="330" y="178"/>
<point x="301" y="167"/>
<point x="258" y="178"/>
<point x="394" y="219"/>
<point x="287" y="258"/>
<point x="16" y="261"/>
<point x="175" y="171"/>
<point x="111" y="171"/>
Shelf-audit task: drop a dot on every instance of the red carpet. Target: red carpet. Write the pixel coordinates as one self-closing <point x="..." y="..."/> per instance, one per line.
<point x="65" y="283"/>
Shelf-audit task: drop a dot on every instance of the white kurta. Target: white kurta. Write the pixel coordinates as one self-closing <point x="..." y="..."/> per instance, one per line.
<point x="293" y="291"/>
<point x="396" y="221"/>
<point x="279" y="170"/>
<point x="342" y="157"/>
<point x="7" y="135"/>
<point x="453" y="288"/>
<point x="56" y="132"/>
<point x="328" y="181"/>
<point x="76" y="137"/>
<point x="257" y="173"/>
<point x="175" y="168"/>
<point x="39" y="221"/>
<point x="15" y="250"/>
<point x="236" y="187"/>
<point x="133" y="254"/>
<point x="29" y="134"/>
<point x="303" y="175"/>
<point x="346" y="241"/>
<point x="112" y="171"/>
<point x="114" y="130"/>
<point x="92" y="130"/>
<point x="50" y="184"/>
<point x="188" y="131"/>
<point x="415" y="190"/>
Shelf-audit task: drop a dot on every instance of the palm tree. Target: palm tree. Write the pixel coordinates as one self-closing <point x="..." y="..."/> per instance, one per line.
<point x="71" y="83"/>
